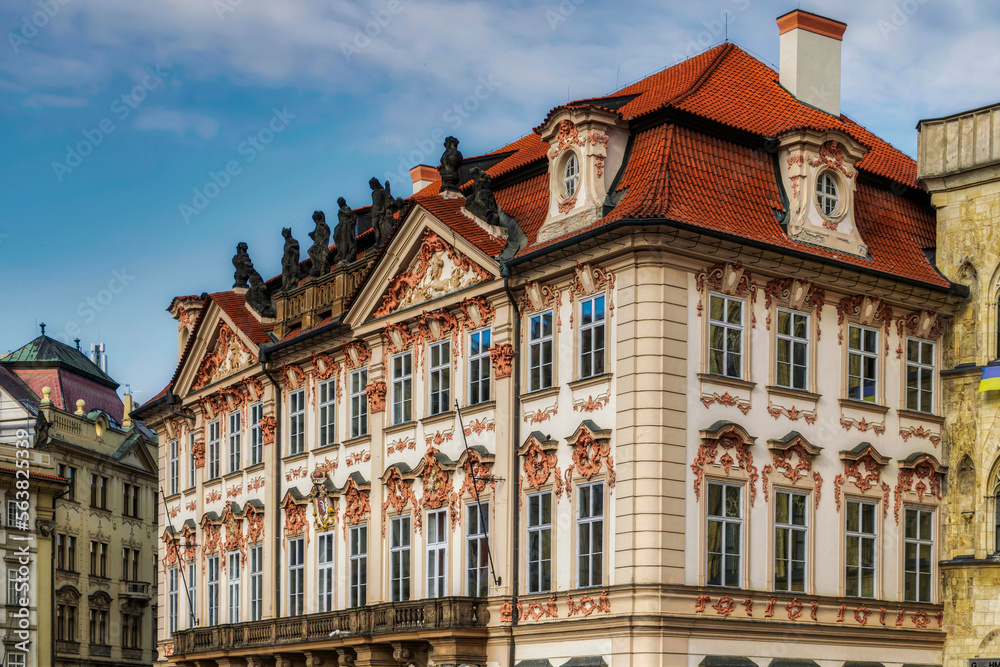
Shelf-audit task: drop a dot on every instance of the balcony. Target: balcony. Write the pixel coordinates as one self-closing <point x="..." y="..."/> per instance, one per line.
<point x="343" y="627"/>
<point x="134" y="589"/>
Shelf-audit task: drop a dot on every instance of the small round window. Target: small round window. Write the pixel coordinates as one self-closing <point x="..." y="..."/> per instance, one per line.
<point x="571" y="175"/>
<point x="826" y="194"/>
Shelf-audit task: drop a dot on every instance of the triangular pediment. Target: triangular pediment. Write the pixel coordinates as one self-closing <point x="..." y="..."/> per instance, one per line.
<point x="219" y="352"/>
<point x="427" y="262"/>
<point x="136" y="454"/>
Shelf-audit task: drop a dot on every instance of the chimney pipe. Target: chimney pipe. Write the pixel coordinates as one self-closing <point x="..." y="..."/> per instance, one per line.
<point x="809" y="65"/>
<point x="423" y="175"/>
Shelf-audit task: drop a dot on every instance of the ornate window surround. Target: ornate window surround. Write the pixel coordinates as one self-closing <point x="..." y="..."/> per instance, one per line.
<point x="870" y="487"/>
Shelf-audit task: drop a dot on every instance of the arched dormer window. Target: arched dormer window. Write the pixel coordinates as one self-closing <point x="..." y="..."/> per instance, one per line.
<point x="571" y="174"/>
<point x="827" y="194"/>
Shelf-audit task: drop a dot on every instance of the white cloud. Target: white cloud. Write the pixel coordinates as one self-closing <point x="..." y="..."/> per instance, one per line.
<point x="178" y="122"/>
<point x="37" y="101"/>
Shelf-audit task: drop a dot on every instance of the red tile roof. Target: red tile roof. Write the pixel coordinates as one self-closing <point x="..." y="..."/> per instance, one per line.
<point x="68" y="387"/>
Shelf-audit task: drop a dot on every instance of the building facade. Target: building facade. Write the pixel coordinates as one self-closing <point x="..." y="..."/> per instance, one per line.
<point x="957" y="164"/>
<point x="659" y="383"/>
<point x="101" y="525"/>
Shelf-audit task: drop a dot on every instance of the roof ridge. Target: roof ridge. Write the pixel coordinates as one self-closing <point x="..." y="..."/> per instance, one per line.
<point x="706" y="74"/>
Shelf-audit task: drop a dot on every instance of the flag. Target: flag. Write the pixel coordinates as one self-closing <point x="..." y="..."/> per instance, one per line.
<point x="991" y="378"/>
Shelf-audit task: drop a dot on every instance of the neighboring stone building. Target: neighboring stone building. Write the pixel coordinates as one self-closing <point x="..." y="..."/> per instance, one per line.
<point x="959" y="163"/>
<point x="101" y="547"/>
<point x="700" y="400"/>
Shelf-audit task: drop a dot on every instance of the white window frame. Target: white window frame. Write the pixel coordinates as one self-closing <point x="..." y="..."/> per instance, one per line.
<point x="862" y="354"/>
<point x="256" y="582"/>
<point x="728" y="357"/>
<point x="539" y="531"/>
<point x="296" y="422"/>
<point x="725" y="521"/>
<point x="13" y="514"/>
<point x="480" y="368"/>
<point x="17" y="659"/>
<point x="213" y="590"/>
<point x="172" y="601"/>
<point x="792" y="342"/>
<point x="192" y="468"/>
<point x="325" y="550"/>
<point x="861" y="536"/>
<point x="402" y="388"/>
<point x="13" y="581"/>
<point x="235" y="433"/>
<point x="192" y="588"/>
<point x="924" y="398"/>
<point x="359" y="403"/>
<point x="358" y="555"/>
<point x="174" y="466"/>
<point x="327" y="412"/>
<point x="540" y="350"/>
<point x="918" y="543"/>
<point x="787" y="531"/>
<point x="440" y="388"/>
<point x="296" y="576"/>
<point x="477" y="526"/>
<point x="400" y="558"/>
<point x="437" y="553"/>
<point x="256" y="434"/>
<point x="235" y="581"/>
<point x="213" y="450"/>
<point x="827" y="193"/>
<point x="593" y="361"/>
<point x="571" y="174"/>
<point x="590" y="529"/>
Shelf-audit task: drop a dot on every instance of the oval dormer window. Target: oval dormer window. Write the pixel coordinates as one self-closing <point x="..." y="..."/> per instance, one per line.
<point x="826" y="194"/>
<point x="571" y="175"/>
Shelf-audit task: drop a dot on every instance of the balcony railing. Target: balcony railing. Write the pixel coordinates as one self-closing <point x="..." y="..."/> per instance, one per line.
<point x="135" y="589"/>
<point x="390" y="617"/>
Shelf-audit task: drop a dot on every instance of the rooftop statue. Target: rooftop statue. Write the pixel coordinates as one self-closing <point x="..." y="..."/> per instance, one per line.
<point x="257" y="295"/>
<point x="243" y="265"/>
<point x="289" y="261"/>
<point x="451" y="160"/>
<point x="484" y="206"/>
<point x="344" y="234"/>
<point x="320" y="249"/>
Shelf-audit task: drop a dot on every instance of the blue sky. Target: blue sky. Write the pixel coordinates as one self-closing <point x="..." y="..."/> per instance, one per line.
<point x="120" y="119"/>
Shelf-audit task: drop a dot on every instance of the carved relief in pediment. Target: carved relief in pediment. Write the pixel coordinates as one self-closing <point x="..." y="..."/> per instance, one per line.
<point x="228" y="356"/>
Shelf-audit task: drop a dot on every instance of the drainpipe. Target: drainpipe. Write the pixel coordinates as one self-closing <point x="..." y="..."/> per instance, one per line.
<point x="277" y="487"/>
<point x="514" y="477"/>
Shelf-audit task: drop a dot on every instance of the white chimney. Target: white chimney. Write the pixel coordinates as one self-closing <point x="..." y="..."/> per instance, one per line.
<point x="423" y="175"/>
<point x="809" y="66"/>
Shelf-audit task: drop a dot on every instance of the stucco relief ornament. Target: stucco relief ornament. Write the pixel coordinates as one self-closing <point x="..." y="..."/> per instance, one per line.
<point x="567" y="135"/>
<point x="376" y="391"/>
<point x="198" y="451"/>
<point x="211" y="541"/>
<point x="267" y="427"/>
<point x="538" y="465"/>
<point x="730" y="279"/>
<point x="589" y="279"/>
<point x="255" y="525"/>
<point x="324" y="505"/>
<point x="869" y="310"/>
<point x="831" y="154"/>
<point x="589" y="454"/>
<point x="234" y="533"/>
<point x="324" y="366"/>
<point x="295" y="519"/>
<point x="190" y="544"/>
<point x="356" y="354"/>
<point x="437" y="487"/>
<point x="502" y="358"/>
<point x="923" y="324"/>
<point x="728" y="437"/>
<point x="873" y="462"/>
<point x="398" y="494"/>
<point x="929" y="476"/>
<point x="356" y="505"/>
<point x="227" y="357"/>
<point x="173" y="550"/>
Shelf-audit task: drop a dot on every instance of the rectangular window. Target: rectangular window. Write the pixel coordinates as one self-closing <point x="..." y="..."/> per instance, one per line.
<point x="235" y="460"/>
<point x="16" y="517"/>
<point x="235" y="579"/>
<point x="98" y="626"/>
<point x="724" y="540"/>
<point x="175" y="462"/>
<point x="359" y="403"/>
<point x="592" y="336"/>
<point x="256" y="582"/>
<point x="399" y="558"/>
<point x="440" y="376"/>
<point x="130" y="500"/>
<point x="296" y="575"/>
<point x="540" y="542"/>
<point x="590" y="534"/>
<point x="725" y="336"/>
<point x="479" y="366"/>
<point x="437" y="553"/>
<point x="213" y="449"/>
<point x="69" y="473"/>
<point x="793" y="350"/>
<point x="99" y="491"/>
<point x="862" y="363"/>
<point x="324" y="567"/>
<point x="918" y="550"/>
<point x="65" y="624"/>
<point x="93" y="558"/>
<point x="98" y="559"/>
<point x="66" y="553"/>
<point x="476" y="531"/>
<point x="256" y="435"/>
<point x="14" y="587"/>
<point x="192" y="468"/>
<point x="130" y="559"/>
<point x="191" y="590"/>
<point x="540" y="351"/>
<point x="919" y="375"/>
<point x="790" y="541"/>
<point x="296" y="422"/>
<point x="213" y="590"/>
<point x="359" y="565"/>
<point x="327" y="410"/>
<point x="17" y="659"/>
<point x="402" y="388"/>
<point x="172" y="599"/>
<point x="860" y="556"/>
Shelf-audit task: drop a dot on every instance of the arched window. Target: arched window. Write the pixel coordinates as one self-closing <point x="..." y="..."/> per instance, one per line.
<point x="826" y="193"/>
<point x="571" y="175"/>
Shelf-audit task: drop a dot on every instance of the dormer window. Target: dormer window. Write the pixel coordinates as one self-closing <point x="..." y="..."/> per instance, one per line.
<point x="826" y="193"/>
<point x="571" y="174"/>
